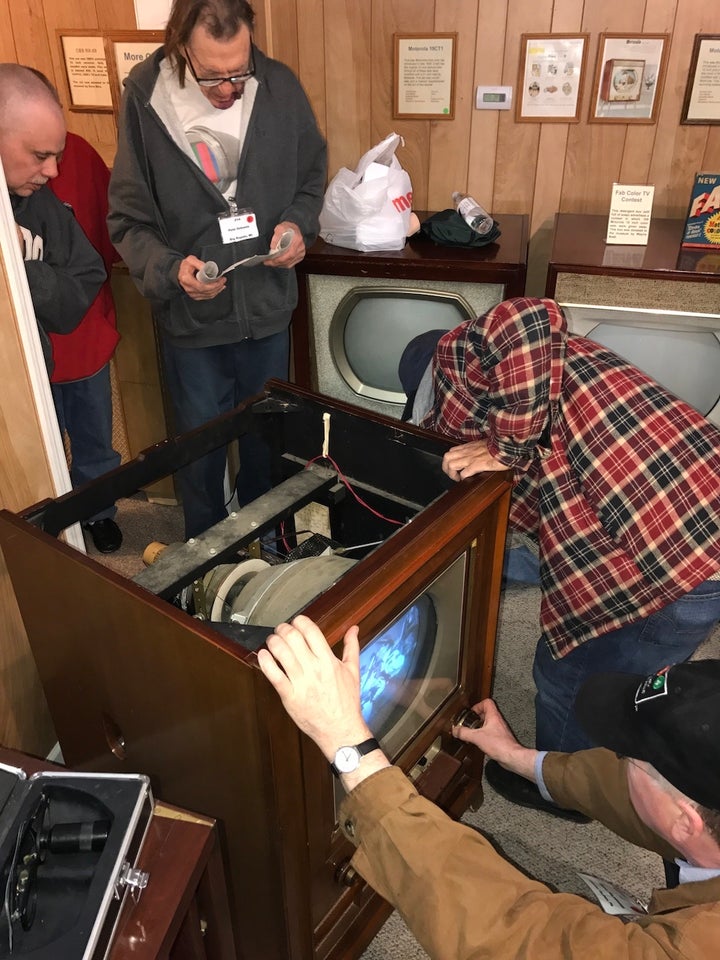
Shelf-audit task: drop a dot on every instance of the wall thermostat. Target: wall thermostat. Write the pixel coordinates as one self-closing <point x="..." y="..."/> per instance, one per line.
<point x="493" y="98"/>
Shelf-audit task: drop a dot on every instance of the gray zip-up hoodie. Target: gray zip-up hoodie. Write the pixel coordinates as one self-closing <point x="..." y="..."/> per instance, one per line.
<point x="163" y="208"/>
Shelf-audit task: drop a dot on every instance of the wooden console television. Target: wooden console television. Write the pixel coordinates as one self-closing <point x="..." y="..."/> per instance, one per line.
<point x="135" y="683"/>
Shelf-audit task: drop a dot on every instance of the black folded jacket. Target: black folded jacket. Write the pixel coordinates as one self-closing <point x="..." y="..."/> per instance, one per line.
<point x="448" y="228"/>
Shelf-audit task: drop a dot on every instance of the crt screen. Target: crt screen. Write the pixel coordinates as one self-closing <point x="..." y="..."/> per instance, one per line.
<point x="392" y="659"/>
<point x="392" y="321"/>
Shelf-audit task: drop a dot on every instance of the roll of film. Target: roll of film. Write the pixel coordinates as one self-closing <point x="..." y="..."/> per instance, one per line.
<point x="208" y="272"/>
<point x="286" y="239"/>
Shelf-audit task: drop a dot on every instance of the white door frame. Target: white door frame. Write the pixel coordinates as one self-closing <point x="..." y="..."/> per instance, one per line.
<point x="34" y="359"/>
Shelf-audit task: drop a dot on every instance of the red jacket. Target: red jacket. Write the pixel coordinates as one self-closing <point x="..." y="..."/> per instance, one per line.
<point x="82" y="184"/>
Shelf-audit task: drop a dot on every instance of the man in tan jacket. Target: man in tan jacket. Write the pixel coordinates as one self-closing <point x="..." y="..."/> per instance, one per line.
<point x="459" y="897"/>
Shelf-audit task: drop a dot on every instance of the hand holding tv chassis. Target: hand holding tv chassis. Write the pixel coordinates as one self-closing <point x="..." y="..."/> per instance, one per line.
<point x="321" y="693"/>
<point x="322" y="696"/>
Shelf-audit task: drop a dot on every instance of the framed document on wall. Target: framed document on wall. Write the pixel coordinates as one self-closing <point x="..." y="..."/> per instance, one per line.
<point x="551" y="77"/>
<point x="125" y="48"/>
<point x="97" y="62"/>
<point x="629" y="77"/>
<point x="85" y="71"/>
<point x="424" y="76"/>
<point x="702" y="96"/>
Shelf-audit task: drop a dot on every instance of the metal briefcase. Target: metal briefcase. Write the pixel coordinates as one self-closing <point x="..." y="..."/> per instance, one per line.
<point x="69" y="843"/>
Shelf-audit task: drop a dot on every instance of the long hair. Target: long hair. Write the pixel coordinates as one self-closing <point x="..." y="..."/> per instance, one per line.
<point x="221" y="18"/>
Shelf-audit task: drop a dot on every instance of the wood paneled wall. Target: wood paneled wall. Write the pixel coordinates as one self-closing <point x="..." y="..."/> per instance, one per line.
<point x="342" y="51"/>
<point x="29" y="37"/>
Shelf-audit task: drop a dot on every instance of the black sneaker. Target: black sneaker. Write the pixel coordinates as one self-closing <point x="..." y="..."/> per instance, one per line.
<point x="106" y="535"/>
<point x="518" y="790"/>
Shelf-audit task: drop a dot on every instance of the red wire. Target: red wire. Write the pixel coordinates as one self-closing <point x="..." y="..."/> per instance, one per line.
<point x="343" y="478"/>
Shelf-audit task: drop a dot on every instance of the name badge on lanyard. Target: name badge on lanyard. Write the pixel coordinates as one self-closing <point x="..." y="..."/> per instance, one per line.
<point x="238" y="225"/>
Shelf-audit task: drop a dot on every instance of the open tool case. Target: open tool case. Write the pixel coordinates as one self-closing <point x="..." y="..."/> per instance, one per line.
<point x="68" y="847"/>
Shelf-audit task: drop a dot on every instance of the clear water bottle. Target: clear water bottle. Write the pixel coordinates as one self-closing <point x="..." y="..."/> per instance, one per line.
<point x="472" y="213"/>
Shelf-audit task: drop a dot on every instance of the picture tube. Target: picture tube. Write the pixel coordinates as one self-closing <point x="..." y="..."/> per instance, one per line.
<point x="410" y="668"/>
<point x="687" y="362"/>
<point x="394" y="659"/>
<point x="371" y="328"/>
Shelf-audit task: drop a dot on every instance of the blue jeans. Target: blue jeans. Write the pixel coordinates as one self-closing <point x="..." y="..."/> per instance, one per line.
<point x="204" y="382"/>
<point x="520" y="565"/>
<point x="670" y="635"/>
<point x="84" y="411"/>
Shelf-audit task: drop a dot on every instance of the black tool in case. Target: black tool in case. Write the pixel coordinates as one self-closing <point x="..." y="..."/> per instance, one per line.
<point x="69" y="843"/>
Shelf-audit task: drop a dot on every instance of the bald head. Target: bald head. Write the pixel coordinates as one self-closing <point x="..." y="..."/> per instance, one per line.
<point x="32" y="129"/>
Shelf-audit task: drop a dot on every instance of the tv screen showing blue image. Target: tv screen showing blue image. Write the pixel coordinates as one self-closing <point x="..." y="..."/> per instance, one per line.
<point x="391" y="661"/>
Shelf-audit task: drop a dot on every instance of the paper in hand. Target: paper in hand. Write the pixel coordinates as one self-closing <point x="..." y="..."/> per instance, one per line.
<point x="613" y="899"/>
<point x="285" y="241"/>
<point x="209" y="272"/>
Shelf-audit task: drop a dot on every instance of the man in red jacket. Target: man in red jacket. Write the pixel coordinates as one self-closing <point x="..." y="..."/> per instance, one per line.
<point x="80" y="380"/>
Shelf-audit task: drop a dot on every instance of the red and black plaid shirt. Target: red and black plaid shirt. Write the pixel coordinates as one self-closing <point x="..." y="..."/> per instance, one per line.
<point x="617" y="479"/>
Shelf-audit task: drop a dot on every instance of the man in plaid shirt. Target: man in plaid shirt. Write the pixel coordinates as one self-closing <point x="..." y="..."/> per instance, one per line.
<point x="616" y="480"/>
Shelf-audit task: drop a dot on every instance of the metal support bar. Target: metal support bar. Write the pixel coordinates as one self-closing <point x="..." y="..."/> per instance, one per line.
<point x="181" y="563"/>
<point x="152" y="464"/>
<point x="369" y="488"/>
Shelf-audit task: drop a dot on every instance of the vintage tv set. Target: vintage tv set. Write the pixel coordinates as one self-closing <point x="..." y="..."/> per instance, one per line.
<point x="655" y="305"/>
<point x="680" y="350"/>
<point x="139" y="679"/>
<point x="389" y="315"/>
<point x="357" y="311"/>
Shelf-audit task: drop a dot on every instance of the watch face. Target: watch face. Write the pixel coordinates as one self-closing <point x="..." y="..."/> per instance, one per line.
<point x="347" y="759"/>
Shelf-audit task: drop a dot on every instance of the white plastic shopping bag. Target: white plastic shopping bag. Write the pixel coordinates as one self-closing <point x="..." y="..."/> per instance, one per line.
<point x="369" y="208"/>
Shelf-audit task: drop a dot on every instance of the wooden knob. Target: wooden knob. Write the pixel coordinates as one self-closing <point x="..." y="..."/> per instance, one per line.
<point x="152" y="551"/>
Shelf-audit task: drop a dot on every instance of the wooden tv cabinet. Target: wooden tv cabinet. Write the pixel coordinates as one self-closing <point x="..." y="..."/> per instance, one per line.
<point x="584" y="269"/>
<point x="136" y="684"/>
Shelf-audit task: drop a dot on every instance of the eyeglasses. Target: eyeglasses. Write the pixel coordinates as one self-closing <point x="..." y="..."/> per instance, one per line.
<point x="216" y="81"/>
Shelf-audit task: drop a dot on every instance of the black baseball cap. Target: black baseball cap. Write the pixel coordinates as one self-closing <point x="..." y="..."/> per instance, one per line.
<point x="414" y="360"/>
<point x="670" y="719"/>
<point x="416" y="356"/>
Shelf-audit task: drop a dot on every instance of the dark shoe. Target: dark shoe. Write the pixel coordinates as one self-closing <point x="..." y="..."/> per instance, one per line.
<point x="105" y="535"/>
<point x="518" y="790"/>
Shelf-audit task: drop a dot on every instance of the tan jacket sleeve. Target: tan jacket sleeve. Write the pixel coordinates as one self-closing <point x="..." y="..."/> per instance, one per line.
<point x="462" y="900"/>
<point x="595" y="782"/>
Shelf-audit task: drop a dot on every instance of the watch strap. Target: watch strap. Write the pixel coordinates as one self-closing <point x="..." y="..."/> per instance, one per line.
<point x="367" y="746"/>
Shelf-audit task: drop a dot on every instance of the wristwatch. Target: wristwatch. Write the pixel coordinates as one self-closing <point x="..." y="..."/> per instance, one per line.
<point x="347" y="759"/>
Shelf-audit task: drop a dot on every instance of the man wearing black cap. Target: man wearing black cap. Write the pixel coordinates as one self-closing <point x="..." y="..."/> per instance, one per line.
<point x="459" y="897"/>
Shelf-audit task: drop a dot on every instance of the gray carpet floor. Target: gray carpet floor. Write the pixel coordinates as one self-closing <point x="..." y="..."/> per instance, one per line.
<point x="550" y="849"/>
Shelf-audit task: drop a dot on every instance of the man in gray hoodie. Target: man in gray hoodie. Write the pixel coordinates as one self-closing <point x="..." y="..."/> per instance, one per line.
<point x="219" y="156"/>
